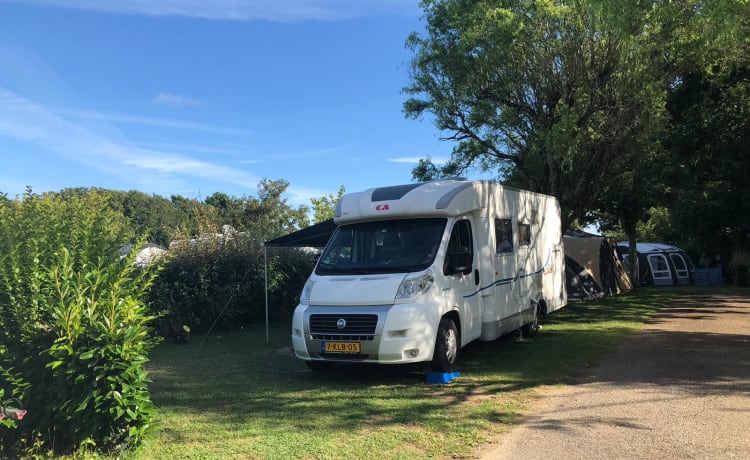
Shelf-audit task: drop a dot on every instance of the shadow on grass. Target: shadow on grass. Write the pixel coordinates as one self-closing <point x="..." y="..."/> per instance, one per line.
<point x="239" y="379"/>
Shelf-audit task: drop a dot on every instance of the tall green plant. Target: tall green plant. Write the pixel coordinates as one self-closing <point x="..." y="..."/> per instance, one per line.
<point x="73" y="324"/>
<point x="102" y="339"/>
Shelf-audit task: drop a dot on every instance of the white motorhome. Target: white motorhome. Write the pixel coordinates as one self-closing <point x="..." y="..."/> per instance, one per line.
<point x="415" y="272"/>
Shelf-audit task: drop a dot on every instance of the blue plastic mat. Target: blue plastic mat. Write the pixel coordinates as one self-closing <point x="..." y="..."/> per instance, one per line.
<point x="441" y="377"/>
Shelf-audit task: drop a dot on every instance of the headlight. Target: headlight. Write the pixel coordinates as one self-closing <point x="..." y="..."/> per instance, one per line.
<point x="412" y="287"/>
<point x="305" y="297"/>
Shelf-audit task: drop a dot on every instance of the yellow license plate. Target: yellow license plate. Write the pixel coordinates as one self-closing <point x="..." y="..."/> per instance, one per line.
<point x="341" y="347"/>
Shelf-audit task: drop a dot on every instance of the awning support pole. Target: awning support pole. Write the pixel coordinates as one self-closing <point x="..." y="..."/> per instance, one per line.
<point x="265" y="270"/>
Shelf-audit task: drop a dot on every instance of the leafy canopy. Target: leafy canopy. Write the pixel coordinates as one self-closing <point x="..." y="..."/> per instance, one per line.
<point x="546" y="93"/>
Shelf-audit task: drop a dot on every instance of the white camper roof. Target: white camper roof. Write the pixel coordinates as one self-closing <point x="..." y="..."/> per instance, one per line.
<point x="437" y="198"/>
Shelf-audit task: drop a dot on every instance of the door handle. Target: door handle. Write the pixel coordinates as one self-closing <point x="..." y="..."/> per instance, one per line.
<point x="476" y="277"/>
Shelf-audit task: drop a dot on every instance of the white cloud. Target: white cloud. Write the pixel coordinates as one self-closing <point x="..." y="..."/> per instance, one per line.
<point x="179" y="147"/>
<point x="308" y="153"/>
<point x="150" y="121"/>
<point x="298" y="196"/>
<point x="25" y="120"/>
<point x="415" y="160"/>
<point x="242" y="10"/>
<point x="174" y="100"/>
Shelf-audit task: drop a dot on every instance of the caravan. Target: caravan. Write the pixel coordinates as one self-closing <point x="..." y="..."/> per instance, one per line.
<point x="415" y="272"/>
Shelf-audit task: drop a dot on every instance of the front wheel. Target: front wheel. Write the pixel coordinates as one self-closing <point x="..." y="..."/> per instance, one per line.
<point x="446" y="346"/>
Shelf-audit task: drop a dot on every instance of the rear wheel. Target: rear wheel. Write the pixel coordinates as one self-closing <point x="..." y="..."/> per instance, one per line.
<point x="531" y="329"/>
<point x="446" y="346"/>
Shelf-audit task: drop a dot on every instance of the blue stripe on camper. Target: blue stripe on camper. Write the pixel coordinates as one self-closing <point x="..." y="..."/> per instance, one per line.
<point x="502" y="282"/>
<point x="510" y="280"/>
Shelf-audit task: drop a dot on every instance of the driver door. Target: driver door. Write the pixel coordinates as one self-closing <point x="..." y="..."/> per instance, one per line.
<point x="462" y="269"/>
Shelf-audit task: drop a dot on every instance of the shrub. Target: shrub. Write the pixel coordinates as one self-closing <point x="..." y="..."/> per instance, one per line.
<point x="220" y="283"/>
<point x="73" y="326"/>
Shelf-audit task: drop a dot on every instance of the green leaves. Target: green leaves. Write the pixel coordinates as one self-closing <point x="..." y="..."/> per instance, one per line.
<point x="545" y="93"/>
<point x="75" y="323"/>
<point x="221" y="284"/>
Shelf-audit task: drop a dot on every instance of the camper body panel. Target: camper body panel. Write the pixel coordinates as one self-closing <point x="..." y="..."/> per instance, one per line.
<point x="492" y="261"/>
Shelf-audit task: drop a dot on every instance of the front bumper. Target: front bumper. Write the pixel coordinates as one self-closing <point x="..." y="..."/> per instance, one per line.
<point x="400" y="334"/>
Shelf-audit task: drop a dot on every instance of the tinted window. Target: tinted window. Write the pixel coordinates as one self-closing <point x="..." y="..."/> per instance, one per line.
<point x="524" y="234"/>
<point x="503" y="236"/>
<point x="460" y="250"/>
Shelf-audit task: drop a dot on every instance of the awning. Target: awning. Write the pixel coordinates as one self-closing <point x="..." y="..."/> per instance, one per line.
<point x="314" y="236"/>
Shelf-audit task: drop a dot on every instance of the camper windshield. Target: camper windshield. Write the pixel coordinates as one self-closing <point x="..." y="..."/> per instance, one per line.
<point x="391" y="246"/>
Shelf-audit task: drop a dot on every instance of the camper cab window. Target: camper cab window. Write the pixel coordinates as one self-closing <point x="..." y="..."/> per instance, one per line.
<point x="391" y="246"/>
<point x="459" y="256"/>
<point x="524" y="234"/>
<point x="659" y="266"/>
<point x="503" y="236"/>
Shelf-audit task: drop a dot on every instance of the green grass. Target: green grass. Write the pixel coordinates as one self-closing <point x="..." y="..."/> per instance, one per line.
<point x="238" y="396"/>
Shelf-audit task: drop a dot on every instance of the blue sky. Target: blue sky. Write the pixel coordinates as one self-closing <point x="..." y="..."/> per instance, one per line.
<point x="192" y="97"/>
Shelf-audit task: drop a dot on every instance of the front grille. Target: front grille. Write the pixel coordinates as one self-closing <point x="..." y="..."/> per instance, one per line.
<point x="346" y="338"/>
<point x="358" y="327"/>
<point x="343" y="357"/>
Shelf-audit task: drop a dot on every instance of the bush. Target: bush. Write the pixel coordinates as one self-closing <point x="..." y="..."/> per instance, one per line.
<point x="220" y="283"/>
<point x="101" y="343"/>
<point x="73" y="326"/>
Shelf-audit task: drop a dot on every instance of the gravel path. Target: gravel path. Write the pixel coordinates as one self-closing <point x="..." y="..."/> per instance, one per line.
<point x="679" y="388"/>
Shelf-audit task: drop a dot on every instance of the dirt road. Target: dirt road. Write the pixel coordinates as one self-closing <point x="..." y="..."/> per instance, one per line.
<point x="679" y="388"/>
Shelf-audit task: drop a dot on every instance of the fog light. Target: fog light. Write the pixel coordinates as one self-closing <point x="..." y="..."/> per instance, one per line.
<point x="413" y="353"/>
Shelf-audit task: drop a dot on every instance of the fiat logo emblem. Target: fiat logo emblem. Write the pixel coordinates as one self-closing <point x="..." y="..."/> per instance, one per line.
<point x="341" y="323"/>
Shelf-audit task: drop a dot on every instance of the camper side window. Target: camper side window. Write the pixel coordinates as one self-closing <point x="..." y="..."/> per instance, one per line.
<point x="503" y="236"/>
<point x="460" y="253"/>
<point x="524" y="234"/>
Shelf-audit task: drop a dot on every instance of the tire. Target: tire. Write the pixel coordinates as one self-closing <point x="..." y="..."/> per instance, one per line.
<point x="531" y="329"/>
<point x="446" y="346"/>
<point x="319" y="366"/>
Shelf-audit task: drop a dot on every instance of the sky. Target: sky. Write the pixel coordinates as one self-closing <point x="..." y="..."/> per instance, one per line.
<point x="192" y="97"/>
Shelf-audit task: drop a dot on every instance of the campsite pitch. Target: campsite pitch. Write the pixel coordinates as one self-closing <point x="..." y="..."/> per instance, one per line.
<point x="234" y="395"/>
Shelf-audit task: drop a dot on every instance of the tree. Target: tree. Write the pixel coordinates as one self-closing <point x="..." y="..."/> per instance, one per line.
<point x="549" y="94"/>
<point x="194" y="218"/>
<point x="704" y="50"/>
<point x="150" y="215"/>
<point x="270" y="216"/>
<point x="230" y="210"/>
<point x="325" y="206"/>
<point x="710" y="144"/>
